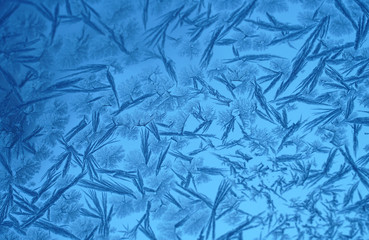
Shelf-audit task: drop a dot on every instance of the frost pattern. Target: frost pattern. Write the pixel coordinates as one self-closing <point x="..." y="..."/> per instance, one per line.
<point x="196" y="119"/>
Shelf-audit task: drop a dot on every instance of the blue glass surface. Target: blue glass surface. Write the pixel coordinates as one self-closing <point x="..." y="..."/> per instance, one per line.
<point x="192" y="120"/>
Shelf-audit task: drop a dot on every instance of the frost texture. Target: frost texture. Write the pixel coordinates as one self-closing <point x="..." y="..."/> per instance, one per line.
<point x="196" y="119"/>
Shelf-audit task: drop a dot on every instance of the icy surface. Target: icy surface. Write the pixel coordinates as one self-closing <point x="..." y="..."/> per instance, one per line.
<point x="172" y="119"/>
